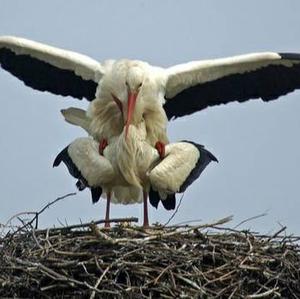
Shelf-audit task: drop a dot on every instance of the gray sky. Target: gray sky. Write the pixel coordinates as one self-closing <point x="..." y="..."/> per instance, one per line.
<point x="256" y="143"/>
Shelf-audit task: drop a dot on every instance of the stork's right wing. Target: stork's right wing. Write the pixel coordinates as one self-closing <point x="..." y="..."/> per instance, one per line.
<point x="47" y="68"/>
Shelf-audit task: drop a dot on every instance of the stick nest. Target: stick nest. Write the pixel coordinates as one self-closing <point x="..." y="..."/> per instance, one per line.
<point x="206" y="261"/>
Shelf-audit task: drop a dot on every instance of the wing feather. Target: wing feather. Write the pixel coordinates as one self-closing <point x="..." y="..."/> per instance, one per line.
<point x="47" y="68"/>
<point x="195" y="86"/>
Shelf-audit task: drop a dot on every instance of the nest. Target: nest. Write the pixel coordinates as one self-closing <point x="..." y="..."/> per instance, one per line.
<point x="205" y="261"/>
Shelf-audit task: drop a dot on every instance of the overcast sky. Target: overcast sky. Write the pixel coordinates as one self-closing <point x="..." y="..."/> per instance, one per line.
<point x="256" y="143"/>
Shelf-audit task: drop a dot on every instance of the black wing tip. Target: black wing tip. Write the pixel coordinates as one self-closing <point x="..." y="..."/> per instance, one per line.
<point x="60" y="157"/>
<point x="290" y="56"/>
<point x="154" y="198"/>
<point x="96" y="194"/>
<point x="203" y="150"/>
<point x="210" y="155"/>
<point x="169" y="203"/>
<point x="205" y="157"/>
<point x="80" y="184"/>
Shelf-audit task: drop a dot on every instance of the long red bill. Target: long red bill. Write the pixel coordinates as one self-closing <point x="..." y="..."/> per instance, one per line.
<point x="130" y="109"/>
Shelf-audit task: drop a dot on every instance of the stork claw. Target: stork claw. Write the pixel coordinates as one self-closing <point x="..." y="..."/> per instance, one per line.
<point x="107" y="225"/>
<point x="146" y="225"/>
<point x="161" y="148"/>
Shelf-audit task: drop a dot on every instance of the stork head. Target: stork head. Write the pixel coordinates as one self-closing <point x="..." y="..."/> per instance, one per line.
<point x="132" y="89"/>
<point x="126" y="85"/>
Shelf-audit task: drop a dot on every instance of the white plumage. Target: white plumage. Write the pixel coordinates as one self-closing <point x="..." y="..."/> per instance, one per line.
<point x="111" y="170"/>
<point x="131" y="102"/>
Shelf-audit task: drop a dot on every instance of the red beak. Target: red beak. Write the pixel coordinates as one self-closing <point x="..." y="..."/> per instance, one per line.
<point x="132" y="96"/>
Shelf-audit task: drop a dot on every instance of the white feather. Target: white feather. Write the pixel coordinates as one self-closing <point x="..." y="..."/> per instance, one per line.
<point x="77" y="117"/>
<point x="96" y="169"/>
<point x="192" y="73"/>
<point x="172" y="171"/>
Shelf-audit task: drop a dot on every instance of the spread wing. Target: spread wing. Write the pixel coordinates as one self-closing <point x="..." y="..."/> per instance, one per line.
<point x="197" y="85"/>
<point x="47" y="68"/>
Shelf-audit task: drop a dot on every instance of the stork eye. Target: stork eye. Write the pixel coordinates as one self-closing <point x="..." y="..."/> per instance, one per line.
<point x="140" y="85"/>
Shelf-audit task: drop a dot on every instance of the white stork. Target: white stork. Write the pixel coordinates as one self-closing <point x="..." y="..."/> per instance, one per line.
<point x="127" y="95"/>
<point x="129" y="163"/>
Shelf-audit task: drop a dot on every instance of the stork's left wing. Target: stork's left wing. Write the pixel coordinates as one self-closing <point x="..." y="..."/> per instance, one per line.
<point x="197" y="85"/>
<point x="47" y="68"/>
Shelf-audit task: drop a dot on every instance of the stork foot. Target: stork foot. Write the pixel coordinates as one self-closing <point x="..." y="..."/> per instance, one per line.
<point x="161" y="148"/>
<point x="107" y="224"/>
<point x="146" y="225"/>
<point x="102" y="145"/>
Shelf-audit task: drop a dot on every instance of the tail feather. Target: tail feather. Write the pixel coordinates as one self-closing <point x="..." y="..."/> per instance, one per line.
<point x="77" y="117"/>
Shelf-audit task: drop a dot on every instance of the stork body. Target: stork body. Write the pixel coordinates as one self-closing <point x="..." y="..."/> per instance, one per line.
<point x="130" y="162"/>
<point x="124" y="78"/>
<point x="132" y="101"/>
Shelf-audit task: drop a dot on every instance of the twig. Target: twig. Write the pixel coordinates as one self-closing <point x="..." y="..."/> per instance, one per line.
<point x="16" y="216"/>
<point x="277" y="233"/>
<point x="264" y="294"/>
<point x="175" y="212"/>
<point x="54" y="275"/>
<point x="35" y="218"/>
<point x="87" y="224"/>
<point x="250" y="219"/>
<point x="164" y="235"/>
<point x="98" y="282"/>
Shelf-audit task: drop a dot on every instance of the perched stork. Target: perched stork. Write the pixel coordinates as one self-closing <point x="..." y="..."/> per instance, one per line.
<point x="129" y="161"/>
<point x="126" y="95"/>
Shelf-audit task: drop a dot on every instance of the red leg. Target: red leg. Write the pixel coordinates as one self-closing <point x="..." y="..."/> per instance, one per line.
<point x="102" y="145"/>
<point x="107" y="224"/>
<point x="146" y="219"/>
<point x="160" y="148"/>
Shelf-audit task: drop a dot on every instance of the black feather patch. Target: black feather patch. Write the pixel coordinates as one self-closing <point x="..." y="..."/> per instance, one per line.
<point x="43" y="76"/>
<point x="82" y="183"/>
<point x="205" y="158"/>
<point x="169" y="203"/>
<point x="64" y="157"/>
<point x="96" y="194"/>
<point x="154" y="198"/>
<point x="290" y="56"/>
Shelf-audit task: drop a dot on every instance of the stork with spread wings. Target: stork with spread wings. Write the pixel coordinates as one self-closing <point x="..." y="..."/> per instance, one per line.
<point x="128" y="153"/>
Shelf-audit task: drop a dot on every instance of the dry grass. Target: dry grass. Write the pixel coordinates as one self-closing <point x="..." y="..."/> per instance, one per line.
<point x="206" y="261"/>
